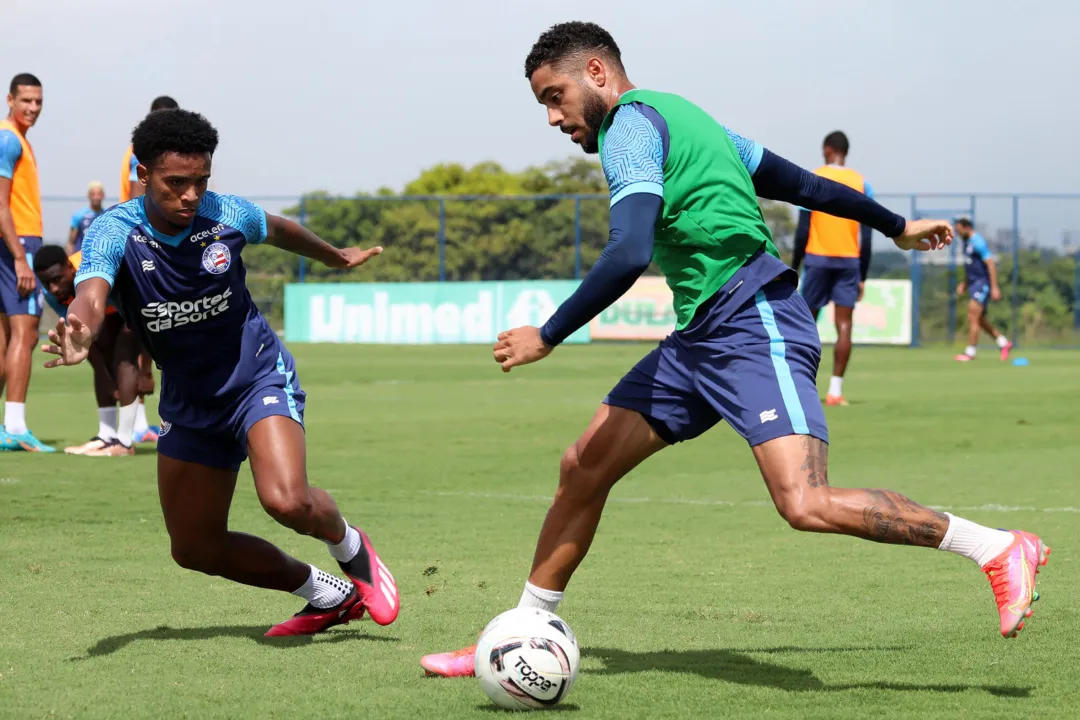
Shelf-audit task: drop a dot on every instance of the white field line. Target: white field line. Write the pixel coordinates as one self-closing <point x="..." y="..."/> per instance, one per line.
<point x="731" y="503"/>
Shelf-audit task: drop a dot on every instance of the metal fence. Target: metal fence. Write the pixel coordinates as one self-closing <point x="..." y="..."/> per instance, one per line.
<point x="1035" y="238"/>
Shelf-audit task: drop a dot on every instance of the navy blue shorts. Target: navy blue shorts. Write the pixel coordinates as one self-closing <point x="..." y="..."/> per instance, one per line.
<point x="224" y="443"/>
<point x="757" y="369"/>
<point x="839" y="285"/>
<point x="10" y="302"/>
<point x="980" y="293"/>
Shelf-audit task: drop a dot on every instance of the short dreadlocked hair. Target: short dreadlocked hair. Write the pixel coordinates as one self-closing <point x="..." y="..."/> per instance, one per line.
<point x="179" y="131"/>
<point x="570" y="40"/>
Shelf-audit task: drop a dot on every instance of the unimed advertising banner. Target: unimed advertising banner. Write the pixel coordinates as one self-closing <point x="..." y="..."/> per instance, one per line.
<point x="420" y="313"/>
<point x="645" y="312"/>
<point x="882" y="317"/>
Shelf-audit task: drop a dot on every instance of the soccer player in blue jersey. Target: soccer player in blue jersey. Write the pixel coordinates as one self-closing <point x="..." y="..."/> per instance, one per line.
<point x="81" y="220"/>
<point x="981" y="286"/>
<point x="745" y="349"/>
<point x="170" y="260"/>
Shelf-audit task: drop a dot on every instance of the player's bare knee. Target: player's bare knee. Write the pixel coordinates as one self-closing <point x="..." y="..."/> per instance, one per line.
<point x="577" y="480"/>
<point x="199" y="557"/>
<point x="805" y="511"/>
<point x="291" y="508"/>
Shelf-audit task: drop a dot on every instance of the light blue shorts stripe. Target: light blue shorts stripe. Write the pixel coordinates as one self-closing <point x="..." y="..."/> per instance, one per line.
<point x="778" y="352"/>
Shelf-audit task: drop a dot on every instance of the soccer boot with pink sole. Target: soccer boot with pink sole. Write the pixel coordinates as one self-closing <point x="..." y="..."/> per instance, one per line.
<point x="460" y="663"/>
<point x="313" y="620"/>
<point x="378" y="591"/>
<point x="1012" y="577"/>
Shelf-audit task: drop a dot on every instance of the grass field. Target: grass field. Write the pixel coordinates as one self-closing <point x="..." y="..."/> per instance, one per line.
<point x="697" y="599"/>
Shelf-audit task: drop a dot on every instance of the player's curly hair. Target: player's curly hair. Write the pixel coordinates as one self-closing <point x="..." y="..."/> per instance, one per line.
<point x="48" y="256"/>
<point x="179" y="131"/>
<point x="570" y="40"/>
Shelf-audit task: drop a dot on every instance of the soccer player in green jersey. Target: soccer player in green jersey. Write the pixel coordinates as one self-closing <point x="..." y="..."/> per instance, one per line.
<point x="745" y="347"/>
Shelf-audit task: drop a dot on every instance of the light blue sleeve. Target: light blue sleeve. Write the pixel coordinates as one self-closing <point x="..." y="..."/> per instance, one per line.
<point x="76" y="219"/>
<point x="867" y="190"/>
<point x="633" y="155"/>
<point x="10" y="152"/>
<point x="236" y="212"/>
<point x="133" y="174"/>
<point x="979" y="243"/>
<point x="750" y="152"/>
<point x="103" y="248"/>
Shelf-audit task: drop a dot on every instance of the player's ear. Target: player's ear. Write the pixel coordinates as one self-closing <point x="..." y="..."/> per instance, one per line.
<point x="143" y="173"/>
<point x="595" y="69"/>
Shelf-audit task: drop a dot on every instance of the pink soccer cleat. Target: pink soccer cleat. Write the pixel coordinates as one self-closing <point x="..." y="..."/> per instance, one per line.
<point x="313" y="620"/>
<point x="963" y="357"/>
<point x="1012" y="577"/>
<point x="378" y="591"/>
<point x="1005" y="351"/>
<point x="460" y="663"/>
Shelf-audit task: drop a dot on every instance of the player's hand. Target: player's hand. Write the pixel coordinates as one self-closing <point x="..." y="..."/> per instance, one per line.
<point x="70" y="342"/>
<point x="995" y="293"/>
<point x="925" y="235"/>
<point x="27" y="283"/>
<point x="961" y="289"/>
<point x="355" y="257"/>
<point x="862" y="288"/>
<point x="520" y="346"/>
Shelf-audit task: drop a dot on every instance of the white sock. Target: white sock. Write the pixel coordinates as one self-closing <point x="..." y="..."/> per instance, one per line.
<point x="141" y="426"/>
<point x="107" y="417"/>
<point x="346" y="550"/>
<point x="970" y="351"/>
<point x="836" y="386"/>
<point x="1001" y="341"/>
<point x="534" y="597"/>
<point x="126" y="426"/>
<point x="323" y="590"/>
<point x="981" y="544"/>
<point x="15" y="417"/>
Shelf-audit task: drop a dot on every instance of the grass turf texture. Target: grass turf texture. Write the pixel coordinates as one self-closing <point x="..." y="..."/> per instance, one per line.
<point x="697" y="600"/>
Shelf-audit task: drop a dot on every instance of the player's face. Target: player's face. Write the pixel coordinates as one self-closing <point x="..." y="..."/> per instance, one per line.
<point x="96" y="197"/>
<point x="574" y="104"/>
<point x="964" y="232"/>
<point x="176" y="184"/>
<point x="25" y="105"/>
<point x="59" y="280"/>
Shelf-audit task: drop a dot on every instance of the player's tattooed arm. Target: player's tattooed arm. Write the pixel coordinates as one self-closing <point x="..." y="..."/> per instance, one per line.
<point x="294" y="237"/>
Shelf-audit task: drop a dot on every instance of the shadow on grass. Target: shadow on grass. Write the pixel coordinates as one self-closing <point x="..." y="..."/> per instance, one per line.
<point x="110" y="645"/>
<point x="569" y="707"/>
<point x="738" y="667"/>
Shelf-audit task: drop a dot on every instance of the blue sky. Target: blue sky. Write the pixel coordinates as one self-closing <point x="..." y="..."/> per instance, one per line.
<point x="349" y="95"/>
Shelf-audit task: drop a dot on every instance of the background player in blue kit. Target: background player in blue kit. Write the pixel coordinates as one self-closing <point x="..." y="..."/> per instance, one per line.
<point x="981" y="285"/>
<point x="170" y="260"/>
<point x="81" y="220"/>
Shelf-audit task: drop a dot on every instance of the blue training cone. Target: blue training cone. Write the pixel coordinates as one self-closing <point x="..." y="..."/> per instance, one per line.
<point x="1020" y="362"/>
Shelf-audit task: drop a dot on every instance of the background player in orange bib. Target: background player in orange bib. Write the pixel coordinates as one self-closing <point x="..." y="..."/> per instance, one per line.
<point x="837" y="258"/>
<point x="20" y="226"/>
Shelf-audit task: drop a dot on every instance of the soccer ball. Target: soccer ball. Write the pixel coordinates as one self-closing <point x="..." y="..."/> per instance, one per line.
<point x="527" y="659"/>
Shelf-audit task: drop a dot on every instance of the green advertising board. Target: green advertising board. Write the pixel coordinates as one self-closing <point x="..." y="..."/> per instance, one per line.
<point x="882" y="317"/>
<point x="420" y="313"/>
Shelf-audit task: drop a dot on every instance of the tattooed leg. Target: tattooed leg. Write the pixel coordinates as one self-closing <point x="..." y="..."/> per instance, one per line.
<point x="796" y="474"/>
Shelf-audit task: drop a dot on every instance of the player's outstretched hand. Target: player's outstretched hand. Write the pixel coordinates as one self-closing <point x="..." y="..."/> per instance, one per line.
<point x="520" y="346"/>
<point x="355" y="257"/>
<point x="70" y="342"/>
<point x="925" y="235"/>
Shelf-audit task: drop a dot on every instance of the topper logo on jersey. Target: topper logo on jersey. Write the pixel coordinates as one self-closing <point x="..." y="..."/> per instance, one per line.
<point x="169" y="315"/>
<point x="216" y="258"/>
<point x="207" y="233"/>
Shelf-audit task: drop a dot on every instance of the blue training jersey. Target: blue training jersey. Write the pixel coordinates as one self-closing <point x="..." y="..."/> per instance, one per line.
<point x="976" y="253"/>
<point x="80" y="222"/>
<point x="185" y="297"/>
